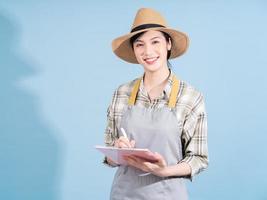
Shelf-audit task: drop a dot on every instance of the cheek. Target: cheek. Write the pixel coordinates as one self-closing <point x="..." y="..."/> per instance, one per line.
<point x="164" y="52"/>
<point x="137" y="54"/>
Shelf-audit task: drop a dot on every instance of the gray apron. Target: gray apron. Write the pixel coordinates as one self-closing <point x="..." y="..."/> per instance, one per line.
<point x="156" y="129"/>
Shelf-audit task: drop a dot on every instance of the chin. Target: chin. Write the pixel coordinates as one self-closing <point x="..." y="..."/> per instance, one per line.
<point x="151" y="68"/>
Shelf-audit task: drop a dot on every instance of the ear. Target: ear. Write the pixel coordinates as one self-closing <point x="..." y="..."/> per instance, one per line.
<point x="169" y="44"/>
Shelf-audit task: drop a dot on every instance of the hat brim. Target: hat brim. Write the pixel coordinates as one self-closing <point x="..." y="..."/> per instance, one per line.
<point x="122" y="48"/>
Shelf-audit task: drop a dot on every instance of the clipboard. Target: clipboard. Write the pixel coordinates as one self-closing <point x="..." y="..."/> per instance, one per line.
<point x="116" y="154"/>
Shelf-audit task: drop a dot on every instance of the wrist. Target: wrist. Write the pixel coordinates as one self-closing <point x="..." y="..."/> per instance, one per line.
<point x="163" y="172"/>
<point x="167" y="172"/>
<point x="181" y="170"/>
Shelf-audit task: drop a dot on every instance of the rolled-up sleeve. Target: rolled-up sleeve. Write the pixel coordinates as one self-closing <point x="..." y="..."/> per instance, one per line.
<point x="110" y="131"/>
<point x="194" y="137"/>
<point x="110" y="128"/>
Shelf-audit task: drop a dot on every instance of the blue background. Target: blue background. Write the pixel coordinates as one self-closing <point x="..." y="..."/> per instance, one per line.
<point x="58" y="73"/>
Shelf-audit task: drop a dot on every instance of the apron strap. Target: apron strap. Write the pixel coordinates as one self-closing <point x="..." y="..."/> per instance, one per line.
<point x="134" y="92"/>
<point x="174" y="92"/>
<point x="173" y="95"/>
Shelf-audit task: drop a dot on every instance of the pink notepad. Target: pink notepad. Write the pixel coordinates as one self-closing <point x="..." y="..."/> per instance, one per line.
<point x="116" y="154"/>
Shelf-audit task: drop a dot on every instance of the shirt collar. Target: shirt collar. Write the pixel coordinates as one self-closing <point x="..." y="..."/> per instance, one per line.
<point x="166" y="91"/>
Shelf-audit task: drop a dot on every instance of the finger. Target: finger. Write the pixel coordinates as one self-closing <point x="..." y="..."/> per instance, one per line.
<point x="135" y="164"/>
<point x="141" y="162"/>
<point x="157" y="155"/>
<point x="130" y="161"/>
<point x="123" y="142"/>
<point x="134" y="158"/>
<point x="160" y="158"/>
<point x="122" y="138"/>
<point x="120" y="144"/>
<point x="132" y="142"/>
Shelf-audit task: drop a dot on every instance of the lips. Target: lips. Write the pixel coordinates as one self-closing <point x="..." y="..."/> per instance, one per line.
<point x="151" y="60"/>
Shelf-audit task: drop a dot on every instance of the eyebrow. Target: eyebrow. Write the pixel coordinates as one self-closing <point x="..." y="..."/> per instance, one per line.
<point x="138" y="40"/>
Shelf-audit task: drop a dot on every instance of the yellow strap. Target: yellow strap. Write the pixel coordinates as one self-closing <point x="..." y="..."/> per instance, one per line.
<point x="134" y="92"/>
<point x="173" y="95"/>
<point x="174" y="92"/>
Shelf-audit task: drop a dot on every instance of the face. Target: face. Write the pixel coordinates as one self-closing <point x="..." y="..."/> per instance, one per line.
<point x="151" y="50"/>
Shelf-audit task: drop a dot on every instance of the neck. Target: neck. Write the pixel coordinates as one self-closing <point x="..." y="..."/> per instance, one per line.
<point x="155" y="78"/>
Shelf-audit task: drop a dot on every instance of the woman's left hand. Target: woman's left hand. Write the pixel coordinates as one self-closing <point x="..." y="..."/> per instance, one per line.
<point x="158" y="168"/>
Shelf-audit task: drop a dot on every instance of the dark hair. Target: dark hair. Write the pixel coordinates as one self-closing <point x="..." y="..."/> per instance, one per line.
<point x="167" y="37"/>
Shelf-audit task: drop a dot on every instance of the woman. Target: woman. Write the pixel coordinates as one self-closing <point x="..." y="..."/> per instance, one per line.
<point x="158" y="112"/>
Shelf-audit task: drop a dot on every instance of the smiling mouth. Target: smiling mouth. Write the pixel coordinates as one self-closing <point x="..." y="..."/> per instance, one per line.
<point x="151" y="60"/>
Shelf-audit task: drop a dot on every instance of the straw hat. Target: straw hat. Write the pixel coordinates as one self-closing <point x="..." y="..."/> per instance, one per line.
<point x="149" y="19"/>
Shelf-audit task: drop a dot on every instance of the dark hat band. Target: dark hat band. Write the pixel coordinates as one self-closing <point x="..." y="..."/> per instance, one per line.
<point x="145" y="26"/>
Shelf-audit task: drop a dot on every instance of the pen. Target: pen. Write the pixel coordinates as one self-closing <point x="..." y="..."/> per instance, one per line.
<point x="124" y="133"/>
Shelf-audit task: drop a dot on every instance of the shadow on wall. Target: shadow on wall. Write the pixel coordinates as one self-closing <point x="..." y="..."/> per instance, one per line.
<point x="29" y="154"/>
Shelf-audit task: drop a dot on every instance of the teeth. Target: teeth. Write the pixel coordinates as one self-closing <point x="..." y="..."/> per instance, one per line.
<point x="150" y="59"/>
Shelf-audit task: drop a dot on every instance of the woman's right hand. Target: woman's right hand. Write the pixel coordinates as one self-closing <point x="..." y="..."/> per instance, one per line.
<point x="123" y="142"/>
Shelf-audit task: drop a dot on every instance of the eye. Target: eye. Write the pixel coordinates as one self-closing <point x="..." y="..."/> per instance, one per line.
<point x="155" y="42"/>
<point x="138" y="45"/>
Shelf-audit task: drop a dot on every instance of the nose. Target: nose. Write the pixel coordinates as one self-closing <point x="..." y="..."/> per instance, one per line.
<point x="148" y="50"/>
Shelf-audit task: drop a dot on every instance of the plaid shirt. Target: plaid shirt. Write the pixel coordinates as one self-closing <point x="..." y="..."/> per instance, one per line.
<point x="190" y="112"/>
